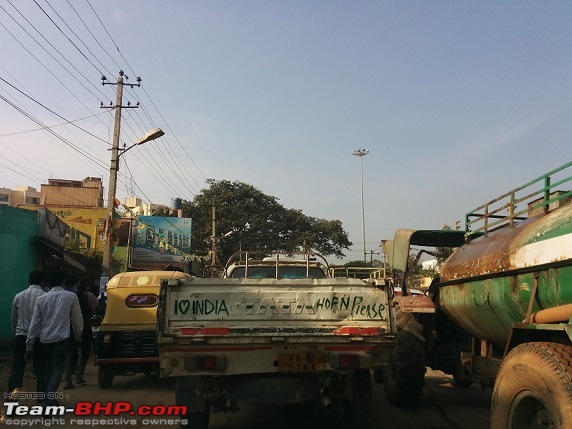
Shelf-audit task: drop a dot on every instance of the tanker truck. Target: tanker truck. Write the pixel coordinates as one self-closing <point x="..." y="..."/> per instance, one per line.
<point x="503" y="303"/>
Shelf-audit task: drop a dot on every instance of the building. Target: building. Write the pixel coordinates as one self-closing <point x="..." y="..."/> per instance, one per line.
<point x="31" y="239"/>
<point x="136" y="207"/>
<point x="73" y="193"/>
<point x="19" y="196"/>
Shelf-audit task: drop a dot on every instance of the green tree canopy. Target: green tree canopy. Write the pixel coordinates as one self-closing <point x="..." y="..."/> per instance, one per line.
<point x="248" y="219"/>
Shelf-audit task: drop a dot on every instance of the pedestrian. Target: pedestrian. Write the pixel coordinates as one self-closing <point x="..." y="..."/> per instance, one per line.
<point x="70" y="282"/>
<point x="55" y="315"/>
<point x="22" y="310"/>
<point x="88" y="304"/>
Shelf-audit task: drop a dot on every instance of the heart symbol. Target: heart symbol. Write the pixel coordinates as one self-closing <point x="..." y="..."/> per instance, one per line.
<point x="184" y="306"/>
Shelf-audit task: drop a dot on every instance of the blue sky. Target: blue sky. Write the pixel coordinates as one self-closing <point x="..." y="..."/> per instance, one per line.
<point x="457" y="102"/>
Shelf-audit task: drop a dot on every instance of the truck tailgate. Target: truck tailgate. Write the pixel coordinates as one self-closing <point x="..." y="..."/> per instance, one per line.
<point x="268" y="317"/>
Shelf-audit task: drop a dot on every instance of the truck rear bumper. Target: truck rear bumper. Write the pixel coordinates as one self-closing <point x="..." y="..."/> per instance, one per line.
<point x="271" y="389"/>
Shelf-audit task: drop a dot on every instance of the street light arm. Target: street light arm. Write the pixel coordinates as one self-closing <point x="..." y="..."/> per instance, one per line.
<point x="151" y="135"/>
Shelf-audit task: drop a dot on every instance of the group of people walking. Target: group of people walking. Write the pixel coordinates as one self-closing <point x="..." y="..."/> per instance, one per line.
<point x="52" y="331"/>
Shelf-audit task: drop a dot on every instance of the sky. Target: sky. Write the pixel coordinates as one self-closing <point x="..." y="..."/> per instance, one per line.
<point x="457" y="102"/>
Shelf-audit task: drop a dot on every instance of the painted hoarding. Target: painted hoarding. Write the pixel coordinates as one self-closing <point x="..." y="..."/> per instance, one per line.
<point x="161" y="239"/>
<point x="86" y="224"/>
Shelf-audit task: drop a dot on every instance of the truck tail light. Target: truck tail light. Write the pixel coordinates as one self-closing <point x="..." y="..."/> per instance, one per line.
<point x="205" y="362"/>
<point x="355" y="330"/>
<point x="345" y="361"/>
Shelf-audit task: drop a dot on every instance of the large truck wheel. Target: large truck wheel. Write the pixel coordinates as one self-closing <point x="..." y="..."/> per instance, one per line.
<point x="534" y="388"/>
<point x="404" y="378"/>
<point x="105" y="376"/>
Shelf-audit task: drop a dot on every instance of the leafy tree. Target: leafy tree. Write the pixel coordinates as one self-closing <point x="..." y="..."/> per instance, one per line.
<point x="443" y="253"/>
<point x="91" y="259"/>
<point x="248" y="219"/>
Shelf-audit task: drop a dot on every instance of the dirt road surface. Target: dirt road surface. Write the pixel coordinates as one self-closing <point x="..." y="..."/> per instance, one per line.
<point x="444" y="406"/>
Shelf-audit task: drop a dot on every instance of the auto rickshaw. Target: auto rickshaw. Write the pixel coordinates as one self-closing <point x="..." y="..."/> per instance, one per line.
<point x="125" y="343"/>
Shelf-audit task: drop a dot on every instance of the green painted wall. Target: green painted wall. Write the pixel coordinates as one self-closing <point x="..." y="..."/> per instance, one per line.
<point x="18" y="232"/>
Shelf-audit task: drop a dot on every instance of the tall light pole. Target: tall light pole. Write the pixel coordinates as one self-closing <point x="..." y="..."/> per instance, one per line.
<point x="361" y="153"/>
<point x="107" y="266"/>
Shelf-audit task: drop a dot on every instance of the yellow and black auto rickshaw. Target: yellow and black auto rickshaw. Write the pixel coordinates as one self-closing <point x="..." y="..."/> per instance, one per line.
<point x="126" y="343"/>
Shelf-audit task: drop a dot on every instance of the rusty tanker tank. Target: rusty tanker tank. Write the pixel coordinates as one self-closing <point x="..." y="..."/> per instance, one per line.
<point x="503" y="302"/>
<point x="487" y="284"/>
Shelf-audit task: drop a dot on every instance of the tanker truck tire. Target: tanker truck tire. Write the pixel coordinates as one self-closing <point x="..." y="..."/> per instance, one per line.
<point x="534" y="388"/>
<point x="404" y="377"/>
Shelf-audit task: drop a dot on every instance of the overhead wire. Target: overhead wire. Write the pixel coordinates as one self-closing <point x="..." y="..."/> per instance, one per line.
<point x="169" y="149"/>
<point x="53" y="47"/>
<point x="93" y="36"/>
<point x="47" y="69"/>
<point x="170" y="166"/>
<point x="43" y="127"/>
<point x="75" y="34"/>
<point x="148" y="96"/>
<point x="176" y="160"/>
<point x="182" y="181"/>
<point x="151" y="164"/>
<point x="66" y="36"/>
<point x="51" y="111"/>
<point x="51" y="126"/>
<point x="49" y="130"/>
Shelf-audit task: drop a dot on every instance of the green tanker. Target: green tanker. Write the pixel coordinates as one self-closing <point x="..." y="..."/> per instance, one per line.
<point x="503" y="303"/>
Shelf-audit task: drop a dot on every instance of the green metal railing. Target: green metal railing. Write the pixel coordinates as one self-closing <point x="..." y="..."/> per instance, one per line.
<point x="501" y="212"/>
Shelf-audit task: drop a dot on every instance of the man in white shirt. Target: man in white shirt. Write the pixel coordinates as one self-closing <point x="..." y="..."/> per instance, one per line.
<point x="55" y="312"/>
<point x="22" y="310"/>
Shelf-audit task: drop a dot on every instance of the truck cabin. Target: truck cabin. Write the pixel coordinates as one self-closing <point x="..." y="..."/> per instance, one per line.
<point x="292" y="265"/>
<point x="397" y="250"/>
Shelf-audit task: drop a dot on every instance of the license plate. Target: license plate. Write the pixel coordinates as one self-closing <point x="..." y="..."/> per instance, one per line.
<point x="301" y="362"/>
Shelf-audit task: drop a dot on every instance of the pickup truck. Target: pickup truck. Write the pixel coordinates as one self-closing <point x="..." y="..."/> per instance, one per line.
<point x="274" y="330"/>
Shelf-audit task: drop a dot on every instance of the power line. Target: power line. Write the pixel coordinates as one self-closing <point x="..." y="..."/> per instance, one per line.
<point x="145" y="91"/>
<point x="52" y="126"/>
<point x="46" y="51"/>
<point x="92" y="35"/>
<point x="183" y="182"/>
<point x="65" y="35"/>
<point x="38" y="122"/>
<point x="75" y="34"/>
<point x="111" y="38"/>
<point x="51" y="111"/>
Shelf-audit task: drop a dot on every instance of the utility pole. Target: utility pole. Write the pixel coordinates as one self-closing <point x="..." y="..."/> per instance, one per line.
<point x="107" y="265"/>
<point x="213" y="236"/>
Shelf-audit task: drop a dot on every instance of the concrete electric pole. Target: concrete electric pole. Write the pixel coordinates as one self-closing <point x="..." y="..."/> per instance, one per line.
<point x="107" y="265"/>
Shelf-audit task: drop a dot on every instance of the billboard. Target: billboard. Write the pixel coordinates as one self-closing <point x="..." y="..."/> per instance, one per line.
<point x="86" y="225"/>
<point x="161" y="239"/>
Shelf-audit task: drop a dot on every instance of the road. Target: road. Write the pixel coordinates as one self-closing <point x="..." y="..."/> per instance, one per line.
<point x="444" y="407"/>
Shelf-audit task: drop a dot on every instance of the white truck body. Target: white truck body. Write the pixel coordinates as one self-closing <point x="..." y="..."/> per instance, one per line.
<point x="272" y="340"/>
<point x="252" y="322"/>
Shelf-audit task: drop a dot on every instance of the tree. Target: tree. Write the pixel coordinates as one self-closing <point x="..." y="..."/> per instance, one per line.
<point x="248" y="219"/>
<point x="443" y="253"/>
<point x="91" y="259"/>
